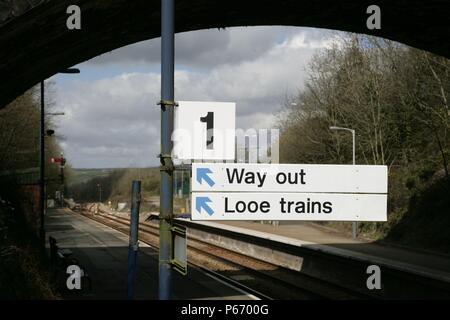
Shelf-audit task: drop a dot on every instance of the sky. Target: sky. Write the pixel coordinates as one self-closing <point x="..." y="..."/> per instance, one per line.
<point x="111" y="115"/>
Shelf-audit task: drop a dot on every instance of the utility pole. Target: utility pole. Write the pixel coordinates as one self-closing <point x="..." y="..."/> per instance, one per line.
<point x="42" y="197"/>
<point x="166" y="185"/>
<point x="42" y="166"/>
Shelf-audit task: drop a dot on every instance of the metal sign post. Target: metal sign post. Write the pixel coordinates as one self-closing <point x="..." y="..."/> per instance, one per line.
<point x="166" y="184"/>
<point x="133" y="242"/>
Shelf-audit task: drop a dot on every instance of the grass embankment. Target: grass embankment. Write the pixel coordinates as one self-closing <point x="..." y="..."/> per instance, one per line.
<point x="149" y="177"/>
<point x="423" y="222"/>
<point x="80" y="176"/>
<point x="115" y="186"/>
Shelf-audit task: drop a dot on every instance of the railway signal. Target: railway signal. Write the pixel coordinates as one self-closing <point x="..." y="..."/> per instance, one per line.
<point x="57" y="160"/>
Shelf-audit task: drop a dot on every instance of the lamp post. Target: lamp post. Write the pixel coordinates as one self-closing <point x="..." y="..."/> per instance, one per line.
<point x="354" y="223"/>
<point x="42" y="155"/>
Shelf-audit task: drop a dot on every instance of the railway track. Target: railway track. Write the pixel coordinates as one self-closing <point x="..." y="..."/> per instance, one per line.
<point x="261" y="278"/>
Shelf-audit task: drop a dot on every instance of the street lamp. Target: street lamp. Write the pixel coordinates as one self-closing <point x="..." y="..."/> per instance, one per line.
<point x="42" y="154"/>
<point x="353" y="138"/>
<point x="354" y="223"/>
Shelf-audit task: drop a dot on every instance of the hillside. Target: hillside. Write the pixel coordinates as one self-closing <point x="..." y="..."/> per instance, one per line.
<point x="83" y="175"/>
<point x="89" y="185"/>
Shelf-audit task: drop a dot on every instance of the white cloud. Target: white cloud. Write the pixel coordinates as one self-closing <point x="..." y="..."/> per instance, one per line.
<point x="114" y="121"/>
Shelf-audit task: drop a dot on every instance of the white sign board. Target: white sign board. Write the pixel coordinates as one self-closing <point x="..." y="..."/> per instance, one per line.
<point x="204" y="130"/>
<point x="289" y="206"/>
<point x="209" y="177"/>
<point x="237" y="191"/>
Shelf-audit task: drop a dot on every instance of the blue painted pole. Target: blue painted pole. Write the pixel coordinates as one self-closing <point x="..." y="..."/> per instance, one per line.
<point x="133" y="243"/>
<point x="166" y="184"/>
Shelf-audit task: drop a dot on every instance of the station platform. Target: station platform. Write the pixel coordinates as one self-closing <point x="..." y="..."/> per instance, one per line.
<point x="325" y="239"/>
<point x="102" y="253"/>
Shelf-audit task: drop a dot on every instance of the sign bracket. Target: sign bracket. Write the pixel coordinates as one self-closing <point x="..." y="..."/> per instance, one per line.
<point x="164" y="103"/>
<point x="166" y="163"/>
<point x="179" y="250"/>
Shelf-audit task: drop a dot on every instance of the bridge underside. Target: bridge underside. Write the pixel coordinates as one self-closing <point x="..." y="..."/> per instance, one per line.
<point x="36" y="44"/>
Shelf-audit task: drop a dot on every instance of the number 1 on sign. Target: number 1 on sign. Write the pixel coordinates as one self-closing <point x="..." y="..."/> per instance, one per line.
<point x="209" y="120"/>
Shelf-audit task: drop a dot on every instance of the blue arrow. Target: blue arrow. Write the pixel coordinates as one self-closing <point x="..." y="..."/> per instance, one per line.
<point x="202" y="202"/>
<point x="203" y="174"/>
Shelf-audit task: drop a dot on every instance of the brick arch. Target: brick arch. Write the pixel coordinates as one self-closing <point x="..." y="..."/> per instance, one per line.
<point x="35" y="43"/>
